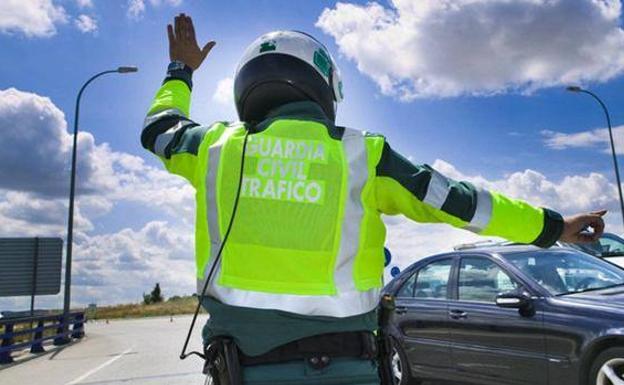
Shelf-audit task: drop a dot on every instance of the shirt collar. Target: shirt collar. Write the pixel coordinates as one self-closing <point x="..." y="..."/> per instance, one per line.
<point x="303" y="109"/>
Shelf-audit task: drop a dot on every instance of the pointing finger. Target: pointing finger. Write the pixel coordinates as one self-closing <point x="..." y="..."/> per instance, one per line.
<point x="597" y="223"/>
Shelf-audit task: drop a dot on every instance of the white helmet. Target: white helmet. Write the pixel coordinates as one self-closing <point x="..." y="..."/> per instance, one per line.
<point x="285" y="66"/>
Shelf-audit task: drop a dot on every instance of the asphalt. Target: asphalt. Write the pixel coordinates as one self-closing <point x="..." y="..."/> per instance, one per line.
<point x="143" y="351"/>
<point x="140" y="351"/>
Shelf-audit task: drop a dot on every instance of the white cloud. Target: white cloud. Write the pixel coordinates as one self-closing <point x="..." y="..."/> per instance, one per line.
<point x="86" y="24"/>
<point x="103" y="174"/>
<point x="224" y="93"/>
<point x="224" y="98"/>
<point x="104" y="177"/>
<point x="36" y="117"/>
<point x="33" y="18"/>
<point x="33" y="202"/>
<point x="445" y="48"/>
<point x="84" y="3"/>
<point x="118" y="267"/>
<point x="25" y="214"/>
<point x="596" y="138"/>
<point x="136" y="8"/>
<point x="572" y="194"/>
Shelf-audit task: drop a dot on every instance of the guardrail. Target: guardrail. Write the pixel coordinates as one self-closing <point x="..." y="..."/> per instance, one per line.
<point x="14" y="327"/>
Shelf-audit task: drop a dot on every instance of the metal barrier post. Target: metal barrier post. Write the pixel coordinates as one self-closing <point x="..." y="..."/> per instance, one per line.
<point x="78" y="328"/>
<point x="61" y="338"/>
<point x="37" y="347"/>
<point x="7" y="340"/>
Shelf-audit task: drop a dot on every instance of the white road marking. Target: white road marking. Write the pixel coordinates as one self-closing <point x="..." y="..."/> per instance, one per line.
<point x="100" y="367"/>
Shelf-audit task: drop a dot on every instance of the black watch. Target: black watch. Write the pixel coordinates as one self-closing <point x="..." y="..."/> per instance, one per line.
<point x="177" y="70"/>
<point x="177" y="65"/>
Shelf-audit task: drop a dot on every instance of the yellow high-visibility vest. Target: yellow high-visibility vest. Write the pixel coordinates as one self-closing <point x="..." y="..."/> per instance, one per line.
<point x="308" y="235"/>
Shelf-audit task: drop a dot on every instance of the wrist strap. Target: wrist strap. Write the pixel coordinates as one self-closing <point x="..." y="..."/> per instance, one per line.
<point x="551" y="232"/>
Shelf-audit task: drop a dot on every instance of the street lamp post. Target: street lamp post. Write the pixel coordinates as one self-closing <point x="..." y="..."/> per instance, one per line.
<point x="615" y="163"/>
<point x="72" y="190"/>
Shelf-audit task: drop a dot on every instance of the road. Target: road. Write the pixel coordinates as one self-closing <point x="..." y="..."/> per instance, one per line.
<point x="143" y="351"/>
<point x="140" y="351"/>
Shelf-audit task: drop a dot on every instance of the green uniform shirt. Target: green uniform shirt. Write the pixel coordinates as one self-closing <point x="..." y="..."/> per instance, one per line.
<point x="257" y="331"/>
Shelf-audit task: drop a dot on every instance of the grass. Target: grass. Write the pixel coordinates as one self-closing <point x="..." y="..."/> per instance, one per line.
<point x="173" y="306"/>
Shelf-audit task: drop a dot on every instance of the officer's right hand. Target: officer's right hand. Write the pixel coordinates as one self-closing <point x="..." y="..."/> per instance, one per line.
<point x="575" y="228"/>
<point x="183" y="45"/>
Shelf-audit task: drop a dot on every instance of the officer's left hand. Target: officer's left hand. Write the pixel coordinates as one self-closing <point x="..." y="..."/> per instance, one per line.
<point x="183" y="45"/>
<point x="575" y="227"/>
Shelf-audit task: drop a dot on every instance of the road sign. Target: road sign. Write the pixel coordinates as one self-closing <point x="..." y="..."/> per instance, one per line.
<point x="30" y="266"/>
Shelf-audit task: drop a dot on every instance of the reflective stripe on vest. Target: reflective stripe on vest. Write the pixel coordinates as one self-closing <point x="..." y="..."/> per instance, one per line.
<point x="214" y="156"/>
<point x="483" y="212"/>
<point x="347" y="300"/>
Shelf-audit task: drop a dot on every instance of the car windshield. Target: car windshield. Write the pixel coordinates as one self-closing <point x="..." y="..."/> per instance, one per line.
<point x="564" y="272"/>
<point x="590" y="248"/>
<point x="609" y="245"/>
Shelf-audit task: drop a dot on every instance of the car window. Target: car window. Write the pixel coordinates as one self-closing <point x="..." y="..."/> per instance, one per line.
<point x="611" y="246"/>
<point x="480" y="279"/>
<point x="407" y="290"/>
<point x="564" y="272"/>
<point x="432" y="280"/>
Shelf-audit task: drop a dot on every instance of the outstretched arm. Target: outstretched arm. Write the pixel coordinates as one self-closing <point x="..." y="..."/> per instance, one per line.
<point x="168" y="132"/>
<point x="424" y="195"/>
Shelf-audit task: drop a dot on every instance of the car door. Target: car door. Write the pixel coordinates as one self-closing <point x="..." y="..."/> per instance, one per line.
<point x="421" y="315"/>
<point x="491" y="344"/>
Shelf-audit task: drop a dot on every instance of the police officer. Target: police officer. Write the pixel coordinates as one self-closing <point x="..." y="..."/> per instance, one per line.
<point x="297" y="283"/>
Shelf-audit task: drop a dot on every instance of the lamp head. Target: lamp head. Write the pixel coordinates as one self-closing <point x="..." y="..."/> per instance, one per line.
<point x="574" y="89"/>
<point x="127" y="69"/>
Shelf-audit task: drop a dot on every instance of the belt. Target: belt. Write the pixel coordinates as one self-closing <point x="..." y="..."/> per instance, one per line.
<point x="318" y="350"/>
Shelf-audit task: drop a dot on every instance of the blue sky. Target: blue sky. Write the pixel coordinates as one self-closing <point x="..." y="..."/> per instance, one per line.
<point x="481" y="102"/>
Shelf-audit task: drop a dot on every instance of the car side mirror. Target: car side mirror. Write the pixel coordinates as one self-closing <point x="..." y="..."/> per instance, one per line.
<point x="513" y="300"/>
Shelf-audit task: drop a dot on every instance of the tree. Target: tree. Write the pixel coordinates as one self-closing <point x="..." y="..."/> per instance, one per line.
<point x="154" y="297"/>
<point x="156" y="294"/>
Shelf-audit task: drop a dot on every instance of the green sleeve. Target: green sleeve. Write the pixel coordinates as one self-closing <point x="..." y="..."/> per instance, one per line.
<point x="424" y="195"/>
<point x="169" y="133"/>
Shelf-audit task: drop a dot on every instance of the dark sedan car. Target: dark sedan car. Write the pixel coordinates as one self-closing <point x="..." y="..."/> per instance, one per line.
<point x="509" y="315"/>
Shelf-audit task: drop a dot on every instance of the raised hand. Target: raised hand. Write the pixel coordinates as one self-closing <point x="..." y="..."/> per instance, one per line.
<point x="183" y="45"/>
<point x="575" y="227"/>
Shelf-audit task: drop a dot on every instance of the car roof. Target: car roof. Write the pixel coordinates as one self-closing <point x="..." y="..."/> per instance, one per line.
<point x="498" y="249"/>
<point x="495" y="250"/>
